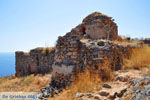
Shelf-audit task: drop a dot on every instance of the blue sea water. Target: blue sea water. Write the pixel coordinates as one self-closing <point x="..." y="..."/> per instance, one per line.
<point x="7" y="64"/>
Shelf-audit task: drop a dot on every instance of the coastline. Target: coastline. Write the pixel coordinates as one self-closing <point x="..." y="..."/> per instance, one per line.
<point x="7" y="64"/>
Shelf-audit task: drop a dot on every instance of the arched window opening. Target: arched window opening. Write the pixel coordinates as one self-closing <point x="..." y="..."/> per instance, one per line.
<point x="83" y="30"/>
<point x="37" y="59"/>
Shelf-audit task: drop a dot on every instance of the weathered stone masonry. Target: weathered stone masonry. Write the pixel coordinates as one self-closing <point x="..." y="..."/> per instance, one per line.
<point x="85" y="53"/>
<point x="73" y="51"/>
<point x="68" y="49"/>
<point x="38" y="60"/>
<point x="81" y="47"/>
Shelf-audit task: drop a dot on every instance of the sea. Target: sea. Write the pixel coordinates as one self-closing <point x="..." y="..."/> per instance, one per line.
<point x="7" y="64"/>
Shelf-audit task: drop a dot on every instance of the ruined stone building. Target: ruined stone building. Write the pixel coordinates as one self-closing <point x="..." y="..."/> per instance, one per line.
<point x="98" y="25"/>
<point x="78" y="48"/>
<point x="38" y="60"/>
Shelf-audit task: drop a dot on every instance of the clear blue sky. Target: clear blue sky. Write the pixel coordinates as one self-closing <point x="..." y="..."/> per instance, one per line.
<point x="26" y="24"/>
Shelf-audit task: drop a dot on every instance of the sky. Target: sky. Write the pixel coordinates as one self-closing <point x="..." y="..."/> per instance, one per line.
<point x="27" y="24"/>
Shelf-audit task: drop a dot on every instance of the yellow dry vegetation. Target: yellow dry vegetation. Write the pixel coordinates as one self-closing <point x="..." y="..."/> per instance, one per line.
<point x="125" y="42"/>
<point x="89" y="81"/>
<point x="139" y="59"/>
<point x="31" y="83"/>
<point x="84" y="82"/>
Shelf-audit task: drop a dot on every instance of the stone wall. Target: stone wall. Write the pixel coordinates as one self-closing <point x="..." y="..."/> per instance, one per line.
<point x="70" y="51"/>
<point x="88" y="52"/>
<point x="100" y="26"/>
<point x="81" y="47"/>
<point x="147" y="41"/>
<point x="38" y="60"/>
<point x="77" y="55"/>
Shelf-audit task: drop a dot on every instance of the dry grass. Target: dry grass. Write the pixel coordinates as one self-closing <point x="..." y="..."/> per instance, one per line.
<point x="84" y="82"/>
<point x="140" y="58"/>
<point x="89" y="81"/>
<point x="30" y="83"/>
<point x="104" y="70"/>
<point x="48" y="49"/>
<point x="124" y="42"/>
<point x="146" y="71"/>
<point x="43" y="49"/>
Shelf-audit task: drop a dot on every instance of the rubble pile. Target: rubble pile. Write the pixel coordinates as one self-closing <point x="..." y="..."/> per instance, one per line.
<point x="141" y="89"/>
<point x="95" y="52"/>
<point x="128" y="85"/>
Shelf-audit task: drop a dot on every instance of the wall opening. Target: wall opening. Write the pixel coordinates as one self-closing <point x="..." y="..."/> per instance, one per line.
<point x="37" y="59"/>
<point x="83" y="29"/>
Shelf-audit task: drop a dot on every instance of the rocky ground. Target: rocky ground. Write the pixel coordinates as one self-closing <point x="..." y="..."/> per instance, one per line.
<point x="125" y="86"/>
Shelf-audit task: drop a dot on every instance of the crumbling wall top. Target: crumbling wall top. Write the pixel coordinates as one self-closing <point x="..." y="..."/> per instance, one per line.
<point x="95" y="17"/>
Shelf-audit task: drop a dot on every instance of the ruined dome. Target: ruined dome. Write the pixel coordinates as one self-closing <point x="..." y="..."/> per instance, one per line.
<point x="99" y="26"/>
<point x="95" y="17"/>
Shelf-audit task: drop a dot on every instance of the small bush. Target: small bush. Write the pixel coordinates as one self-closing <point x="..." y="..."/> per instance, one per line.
<point x="47" y="51"/>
